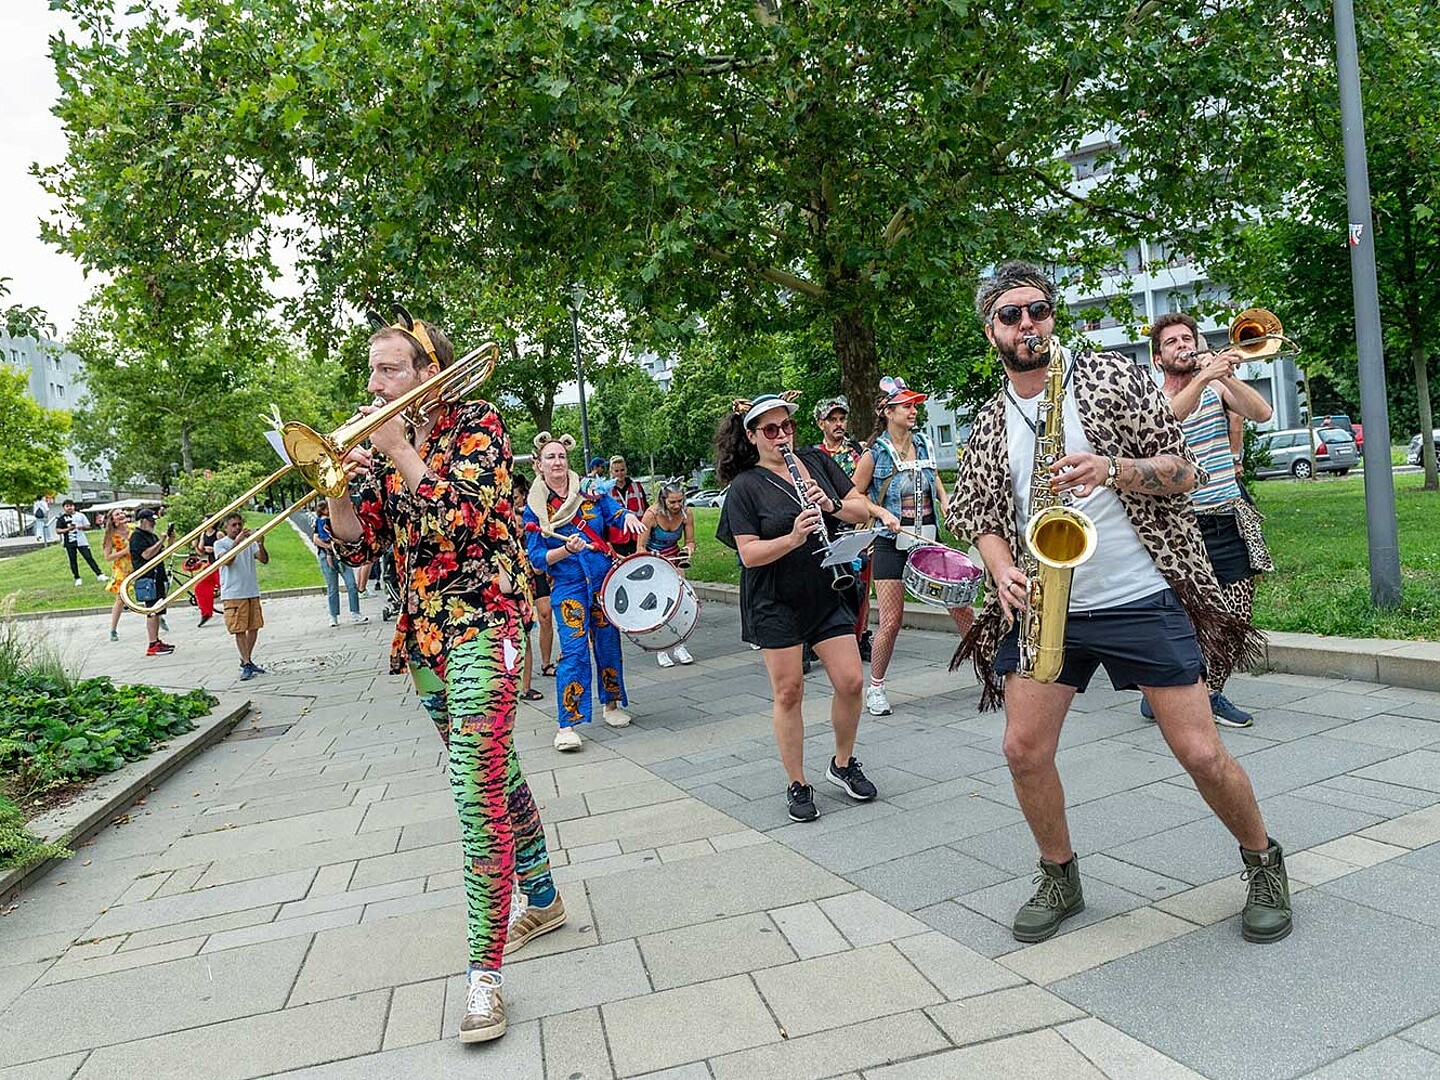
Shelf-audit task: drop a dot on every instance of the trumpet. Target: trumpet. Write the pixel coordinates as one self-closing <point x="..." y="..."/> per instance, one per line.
<point x="842" y="579"/>
<point x="320" y="461"/>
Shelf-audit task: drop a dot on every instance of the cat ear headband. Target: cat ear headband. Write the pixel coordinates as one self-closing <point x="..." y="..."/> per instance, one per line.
<point x="567" y="441"/>
<point x="412" y="328"/>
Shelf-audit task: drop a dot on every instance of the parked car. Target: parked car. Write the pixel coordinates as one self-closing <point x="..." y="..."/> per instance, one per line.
<point x="1335" y="451"/>
<point x="1412" y="455"/>
<point x="1340" y="420"/>
<point x="706" y="497"/>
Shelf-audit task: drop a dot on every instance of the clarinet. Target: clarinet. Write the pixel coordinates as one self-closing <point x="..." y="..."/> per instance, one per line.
<point x="843" y="579"/>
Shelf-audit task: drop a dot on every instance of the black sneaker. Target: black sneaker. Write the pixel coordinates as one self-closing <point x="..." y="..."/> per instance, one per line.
<point x="801" y="799"/>
<point x="865" y="646"/>
<point x="852" y="780"/>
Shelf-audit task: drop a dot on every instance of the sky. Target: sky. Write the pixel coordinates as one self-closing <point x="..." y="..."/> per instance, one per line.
<point x="39" y="273"/>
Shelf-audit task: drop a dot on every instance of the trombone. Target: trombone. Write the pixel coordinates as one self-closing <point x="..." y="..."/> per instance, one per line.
<point x="1256" y="334"/>
<point x="320" y="461"/>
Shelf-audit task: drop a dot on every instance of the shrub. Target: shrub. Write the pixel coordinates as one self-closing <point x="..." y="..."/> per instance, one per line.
<point x="18" y="849"/>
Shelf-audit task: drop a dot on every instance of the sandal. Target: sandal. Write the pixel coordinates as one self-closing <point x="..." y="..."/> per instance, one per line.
<point x="548" y="670"/>
<point x="532" y="695"/>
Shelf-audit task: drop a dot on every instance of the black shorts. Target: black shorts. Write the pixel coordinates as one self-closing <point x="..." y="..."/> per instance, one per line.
<point x="887" y="562"/>
<point x="1226" y="547"/>
<point x="1148" y="642"/>
<point x="782" y="629"/>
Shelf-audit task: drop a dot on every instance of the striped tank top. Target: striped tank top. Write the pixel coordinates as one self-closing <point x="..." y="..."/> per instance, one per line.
<point x="1207" y="430"/>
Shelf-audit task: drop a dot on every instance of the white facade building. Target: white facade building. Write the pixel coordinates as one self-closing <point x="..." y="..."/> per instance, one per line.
<point x="56" y="382"/>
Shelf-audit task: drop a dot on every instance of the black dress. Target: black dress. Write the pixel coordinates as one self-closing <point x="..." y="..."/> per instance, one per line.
<point x="788" y="601"/>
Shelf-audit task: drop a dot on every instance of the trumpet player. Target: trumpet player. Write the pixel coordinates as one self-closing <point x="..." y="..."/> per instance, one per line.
<point x="437" y="495"/>
<point x="773" y="518"/>
<point x="1137" y="606"/>
<point x="1205" y="393"/>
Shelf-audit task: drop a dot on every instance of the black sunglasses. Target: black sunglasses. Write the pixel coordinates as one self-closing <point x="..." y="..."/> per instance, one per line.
<point x="1040" y="310"/>
<point x="773" y="431"/>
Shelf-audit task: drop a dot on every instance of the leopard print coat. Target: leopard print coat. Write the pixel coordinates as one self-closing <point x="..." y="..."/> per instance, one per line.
<point x="1124" y="415"/>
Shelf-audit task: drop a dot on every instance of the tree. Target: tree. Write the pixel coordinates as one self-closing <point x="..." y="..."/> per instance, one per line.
<point x="32" y="442"/>
<point x="23" y="321"/>
<point x="1294" y="258"/>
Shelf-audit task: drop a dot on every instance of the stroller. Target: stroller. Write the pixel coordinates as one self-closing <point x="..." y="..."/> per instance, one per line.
<point x="180" y="571"/>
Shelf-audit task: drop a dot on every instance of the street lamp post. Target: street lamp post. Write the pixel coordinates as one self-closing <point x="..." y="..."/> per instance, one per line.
<point x="576" y="298"/>
<point x="1380" y="524"/>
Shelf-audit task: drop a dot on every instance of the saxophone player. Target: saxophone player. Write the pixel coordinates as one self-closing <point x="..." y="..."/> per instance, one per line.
<point x="1142" y="605"/>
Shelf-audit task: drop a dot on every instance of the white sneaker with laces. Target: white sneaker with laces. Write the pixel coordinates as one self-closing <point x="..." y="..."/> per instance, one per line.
<point x="484" y="1008"/>
<point x="78" y="583"/>
<point x="358" y="618"/>
<point x="567" y="738"/>
<point x="101" y="578"/>
<point x="876" y="703"/>
<point x="334" y="620"/>
<point x="616" y="717"/>
<point x="683" y="655"/>
<point x="663" y="658"/>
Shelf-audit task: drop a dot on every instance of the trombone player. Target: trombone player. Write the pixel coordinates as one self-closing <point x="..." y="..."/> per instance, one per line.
<point x="1204" y="392"/>
<point x="435" y="490"/>
<point x="1136" y="606"/>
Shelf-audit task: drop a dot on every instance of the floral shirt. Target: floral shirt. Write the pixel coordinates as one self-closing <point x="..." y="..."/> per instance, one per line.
<point x="454" y="539"/>
<point x="846" y="455"/>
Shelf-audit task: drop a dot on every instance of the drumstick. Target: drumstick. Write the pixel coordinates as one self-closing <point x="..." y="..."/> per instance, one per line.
<point x="883" y="531"/>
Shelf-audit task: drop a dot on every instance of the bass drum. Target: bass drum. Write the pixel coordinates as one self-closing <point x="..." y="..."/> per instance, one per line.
<point x="649" y="602"/>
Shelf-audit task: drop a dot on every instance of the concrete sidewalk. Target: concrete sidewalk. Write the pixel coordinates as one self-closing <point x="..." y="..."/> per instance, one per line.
<point x="290" y="904"/>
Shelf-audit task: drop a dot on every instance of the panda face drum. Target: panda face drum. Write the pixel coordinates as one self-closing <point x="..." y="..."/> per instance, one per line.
<point x="942" y="577"/>
<point x="649" y="602"/>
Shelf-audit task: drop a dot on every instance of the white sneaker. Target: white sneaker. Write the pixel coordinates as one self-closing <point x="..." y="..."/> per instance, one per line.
<point x="567" y="738"/>
<point x="101" y="578"/>
<point x="78" y="583"/>
<point x="683" y="655"/>
<point x="334" y="620"/>
<point x="664" y="659"/>
<point x="876" y="703"/>
<point x="357" y="618"/>
<point x="616" y="717"/>
<point x="484" y="1008"/>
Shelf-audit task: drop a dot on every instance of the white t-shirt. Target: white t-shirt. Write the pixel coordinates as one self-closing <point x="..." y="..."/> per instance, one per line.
<point x="80" y="523"/>
<point x="1121" y="570"/>
<point x="238" y="579"/>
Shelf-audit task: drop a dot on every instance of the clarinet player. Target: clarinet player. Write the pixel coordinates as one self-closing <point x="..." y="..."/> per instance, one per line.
<point x="787" y="598"/>
<point x="1136" y="606"/>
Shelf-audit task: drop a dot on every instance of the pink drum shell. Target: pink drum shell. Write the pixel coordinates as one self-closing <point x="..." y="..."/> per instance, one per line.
<point x="944" y="564"/>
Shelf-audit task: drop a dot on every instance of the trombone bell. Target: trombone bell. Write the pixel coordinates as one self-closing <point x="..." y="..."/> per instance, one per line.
<point x="1256" y="334"/>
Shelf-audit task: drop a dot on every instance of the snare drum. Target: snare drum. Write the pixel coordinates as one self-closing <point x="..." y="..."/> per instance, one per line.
<point x="649" y="602"/>
<point x="942" y="577"/>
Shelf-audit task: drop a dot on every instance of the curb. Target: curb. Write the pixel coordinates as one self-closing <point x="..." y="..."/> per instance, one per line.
<point x="111" y="795"/>
<point x="67" y="613"/>
<point x="1411" y="664"/>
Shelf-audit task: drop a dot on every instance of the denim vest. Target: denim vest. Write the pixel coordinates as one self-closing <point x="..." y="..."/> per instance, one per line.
<point x="904" y="473"/>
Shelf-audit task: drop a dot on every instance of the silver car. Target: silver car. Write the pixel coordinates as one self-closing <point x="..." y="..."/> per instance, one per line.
<point x="1289" y="456"/>
<point x="1412" y="454"/>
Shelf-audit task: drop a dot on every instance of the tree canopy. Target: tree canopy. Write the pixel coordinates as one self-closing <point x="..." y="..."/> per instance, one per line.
<point x="32" y="442"/>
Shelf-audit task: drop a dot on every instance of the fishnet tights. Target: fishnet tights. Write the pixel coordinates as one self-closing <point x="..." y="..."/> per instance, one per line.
<point x="890" y="597"/>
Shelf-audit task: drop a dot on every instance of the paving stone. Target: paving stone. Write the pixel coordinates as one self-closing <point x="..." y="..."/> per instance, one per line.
<point x="1040" y="1055"/>
<point x="515" y="1057"/>
<point x="390" y="813"/>
<point x="957" y="972"/>
<point x="149" y="1001"/>
<point x="1092" y="946"/>
<point x="416" y="1012"/>
<point x="1311" y="869"/>
<point x="1426" y="858"/>
<point x="868" y="920"/>
<point x="430" y="900"/>
<point x="716" y="1017"/>
<point x="814" y="995"/>
<point x="589" y="852"/>
<point x="429" y="834"/>
<point x="408" y="948"/>
<point x="275" y="809"/>
<point x="1133" y="879"/>
<point x="1094" y="770"/>
<point x="1279" y="769"/>
<point x="864" y="1045"/>
<point x="225" y="871"/>
<point x="199" y="928"/>
<point x="68" y="969"/>
<point x="1417" y="769"/>
<point x="403" y="865"/>
<point x="1102" y="901"/>
<point x="577" y="979"/>
<point x="1408" y="796"/>
<point x="1389" y="1059"/>
<point x="926" y="877"/>
<point x="1397" y="732"/>
<point x="730" y="841"/>
<point x="331" y="880"/>
<point x="15" y="979"/>
<point x="575" y="1046"/>
<point x="240" y="896"/>
<point x="713" y="950"/>
<point x="1331" y="795"/>
<point x="630" y="796"/>
<point x="808" y="931"/>
<point x="55" y="1068"/>
<point x="1208" y="1020"/>
<point x="1417" y="829"/>
<point x="1350" y="706"/>
<point x="970" y="928"/>
<point x="1005" y="1012"/>
<point x="691" y="849"/>
<point x="267" y="836"/>
<point x="668" y="895"/>
<point x="31" y="950"/>
<point x="253" y="1046"/>
<point x="302" y="926"/>
<point x="646" y="827"/>
<point x="354" y="898"/>
<point x="1358" y="851"/>
<point x="1119" y="1056"/>
<point x="575" y="873"/>
<point x="1394" y="888"/>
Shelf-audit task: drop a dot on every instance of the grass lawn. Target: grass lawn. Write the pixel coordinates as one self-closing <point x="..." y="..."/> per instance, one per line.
<point x="40" y="580"/>
<point x="1316" y="533"/>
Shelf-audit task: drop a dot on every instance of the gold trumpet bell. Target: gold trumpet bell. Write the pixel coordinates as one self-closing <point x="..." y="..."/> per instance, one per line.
<point x="1256" y="333"/>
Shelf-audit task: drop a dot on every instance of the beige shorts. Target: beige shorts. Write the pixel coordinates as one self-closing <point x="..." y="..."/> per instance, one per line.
<point x="242" y="616"/>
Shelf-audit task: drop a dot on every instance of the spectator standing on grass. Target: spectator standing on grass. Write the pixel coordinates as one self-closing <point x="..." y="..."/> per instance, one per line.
<point x="144" y="546"/>
<point x="41" y="513"/>
<point x="335" y="570"/>
<point x="240" y="592"/>
<point x="71" y="525"/>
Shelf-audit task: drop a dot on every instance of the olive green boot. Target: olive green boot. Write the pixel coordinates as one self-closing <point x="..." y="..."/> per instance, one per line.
<point x="1057" y="898"/>
<point x="1267" y="905"/>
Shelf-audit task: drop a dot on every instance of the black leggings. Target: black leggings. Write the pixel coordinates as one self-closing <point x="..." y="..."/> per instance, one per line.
<point x="71" y="549"/>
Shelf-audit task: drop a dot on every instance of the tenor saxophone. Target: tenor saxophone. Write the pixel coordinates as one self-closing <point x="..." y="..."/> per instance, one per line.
<point x="1058" y="537"/>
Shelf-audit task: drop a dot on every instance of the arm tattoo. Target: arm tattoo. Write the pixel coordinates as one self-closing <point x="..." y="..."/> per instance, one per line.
<point x="1164" y="475"/>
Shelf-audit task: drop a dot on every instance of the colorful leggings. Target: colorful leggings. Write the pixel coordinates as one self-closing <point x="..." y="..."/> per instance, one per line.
<point x="500" y="831"/>
<point x="581" y="624"/>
